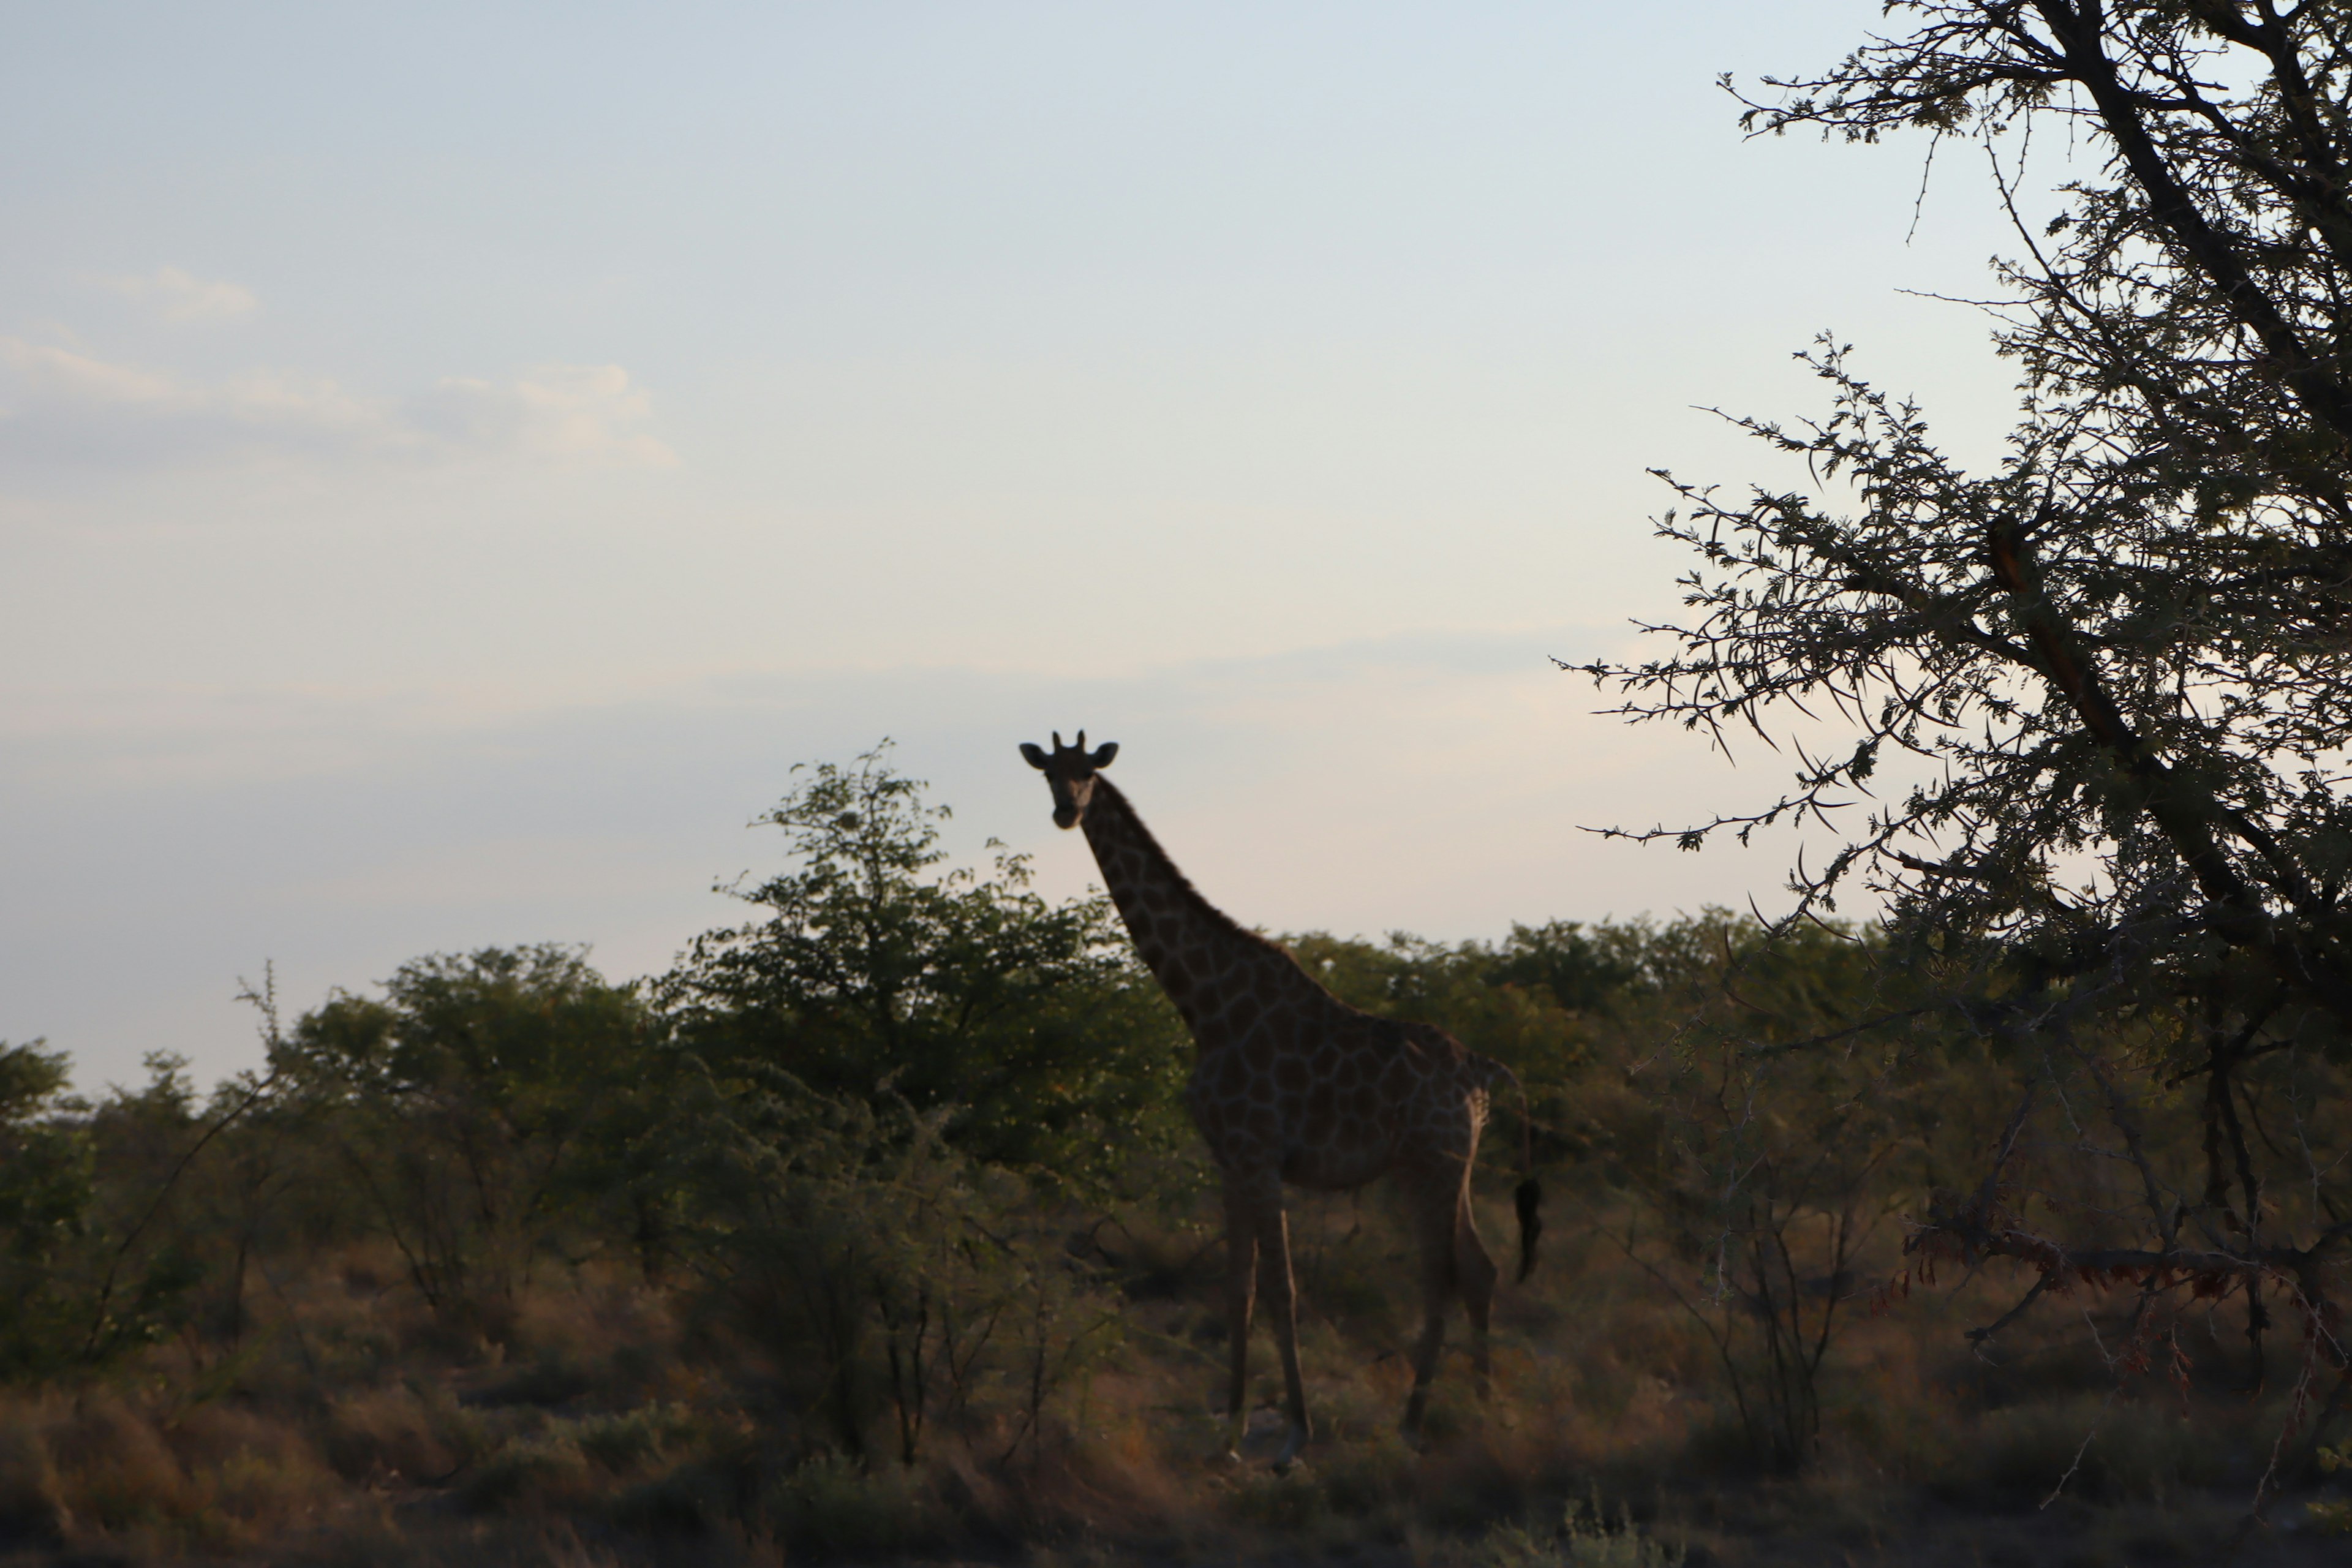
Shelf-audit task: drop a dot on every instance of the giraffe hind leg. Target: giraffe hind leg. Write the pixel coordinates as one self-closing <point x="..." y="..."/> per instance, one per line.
<point x="1475" y="1274"/>
<point x="1432" y="1207"/>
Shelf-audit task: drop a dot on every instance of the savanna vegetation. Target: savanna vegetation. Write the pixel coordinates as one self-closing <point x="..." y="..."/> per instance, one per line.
<point x="2009" y="1225"/>
<point x="874" y="1228"/>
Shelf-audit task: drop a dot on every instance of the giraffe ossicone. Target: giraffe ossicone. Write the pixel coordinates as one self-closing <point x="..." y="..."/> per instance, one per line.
<point x="1292" y="1085"/>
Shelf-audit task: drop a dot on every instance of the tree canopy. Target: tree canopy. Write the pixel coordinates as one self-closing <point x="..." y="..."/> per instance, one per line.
<point x="2105" y="683"/>
<point x="873" y="968"/>
<point x="2118" y="661"/>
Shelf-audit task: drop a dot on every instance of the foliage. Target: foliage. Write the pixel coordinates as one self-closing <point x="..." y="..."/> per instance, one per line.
<point x="2333" y="1516"/>
<point x="877" y="1267"/>
<point x="1587" y="1538"/>
<point x="871" y="966"/>
<point x="1533" y="1001"/>
<point x="91" y="1276"/>
<point x="45" y="1191"/>
<point x="2102" y="686"/>
<point x="478" y="1109"/>
<point x="1762" y="1170"/>
<point x="869" y="1340"/>
<point x="507" y="1236"/>
<point x="1765" y="1168"/>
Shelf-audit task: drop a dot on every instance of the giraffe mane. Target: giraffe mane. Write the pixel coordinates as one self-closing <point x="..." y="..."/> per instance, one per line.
<point x="1184" y="883"/>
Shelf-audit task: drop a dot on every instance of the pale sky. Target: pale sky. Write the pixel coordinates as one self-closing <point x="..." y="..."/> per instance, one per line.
<point x="452" y="464"/>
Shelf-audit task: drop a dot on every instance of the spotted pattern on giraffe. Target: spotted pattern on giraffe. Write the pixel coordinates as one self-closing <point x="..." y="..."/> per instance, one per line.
<point x="1293" y="1086"/>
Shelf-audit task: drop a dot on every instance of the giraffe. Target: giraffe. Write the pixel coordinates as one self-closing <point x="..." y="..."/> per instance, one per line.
<point x="1293" y="1085"/>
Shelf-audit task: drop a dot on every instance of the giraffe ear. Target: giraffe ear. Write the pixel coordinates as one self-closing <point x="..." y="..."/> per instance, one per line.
<point x="1034" y="752"/>
<point x="1104" y="753"/>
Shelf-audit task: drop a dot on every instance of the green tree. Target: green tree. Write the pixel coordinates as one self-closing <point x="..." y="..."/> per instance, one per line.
<point x="93" y="1269"/>
<point x="46" y="1189"/>
<point x="486" y="1109"/>
<point x="873" y="964"/>
<point x="1762" y="1170"/>
<point x="874" y="1268"/>
<point x="1687" y="1099"/>
<point x="1533" y="1001"/>
<point x="2105" y="684"/>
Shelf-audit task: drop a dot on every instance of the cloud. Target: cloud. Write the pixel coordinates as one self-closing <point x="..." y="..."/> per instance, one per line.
<point x="180" y="295"/>
<point x="561" y="411"/>
<point x="60" y="405"/>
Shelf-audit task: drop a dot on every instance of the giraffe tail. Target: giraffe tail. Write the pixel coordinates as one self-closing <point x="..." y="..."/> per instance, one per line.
<point x="1528" y="1196"/>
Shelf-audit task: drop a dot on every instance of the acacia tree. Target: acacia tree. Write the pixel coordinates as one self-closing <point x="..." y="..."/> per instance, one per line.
<point x="2111" y="677"/>
<point x="872" y="970"/>
<point x="485" y="1109"/>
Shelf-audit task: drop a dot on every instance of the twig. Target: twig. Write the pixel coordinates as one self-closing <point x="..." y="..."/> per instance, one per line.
<point x="123" y="1249"/>
<point x="1983" y="1337"/>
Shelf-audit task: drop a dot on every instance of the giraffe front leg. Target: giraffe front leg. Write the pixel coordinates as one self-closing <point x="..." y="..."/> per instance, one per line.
<point x="1282" y="1307"/>
<point x="1240" y="1287"/>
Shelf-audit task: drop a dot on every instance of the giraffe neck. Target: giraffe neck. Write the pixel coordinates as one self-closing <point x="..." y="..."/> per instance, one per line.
<point x="1202" y="955"/>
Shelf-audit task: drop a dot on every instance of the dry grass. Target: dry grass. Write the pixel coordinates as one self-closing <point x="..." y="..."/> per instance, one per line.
<point x="347" y="1427"/>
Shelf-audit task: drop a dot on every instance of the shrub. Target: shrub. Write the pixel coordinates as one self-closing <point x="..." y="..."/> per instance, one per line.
<point x="883" y="1274"/>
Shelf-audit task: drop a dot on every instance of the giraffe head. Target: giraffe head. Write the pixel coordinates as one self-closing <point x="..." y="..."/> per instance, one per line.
<point x="1071" y="771"/>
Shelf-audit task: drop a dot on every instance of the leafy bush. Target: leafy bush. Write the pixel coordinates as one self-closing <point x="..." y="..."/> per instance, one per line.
<point x="1765" y="1155"/>
<point x="45" y="1191"/>
<point x="89" y="1274"/>
<point x="870" y="962"/>
<point x="883" y="1273"/>
<point x="833" y="1508"/>
<point x="480" y="1110"/>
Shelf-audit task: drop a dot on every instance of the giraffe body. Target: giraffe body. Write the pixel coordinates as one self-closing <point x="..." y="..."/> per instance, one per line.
<point x="1292" y="1085"/>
